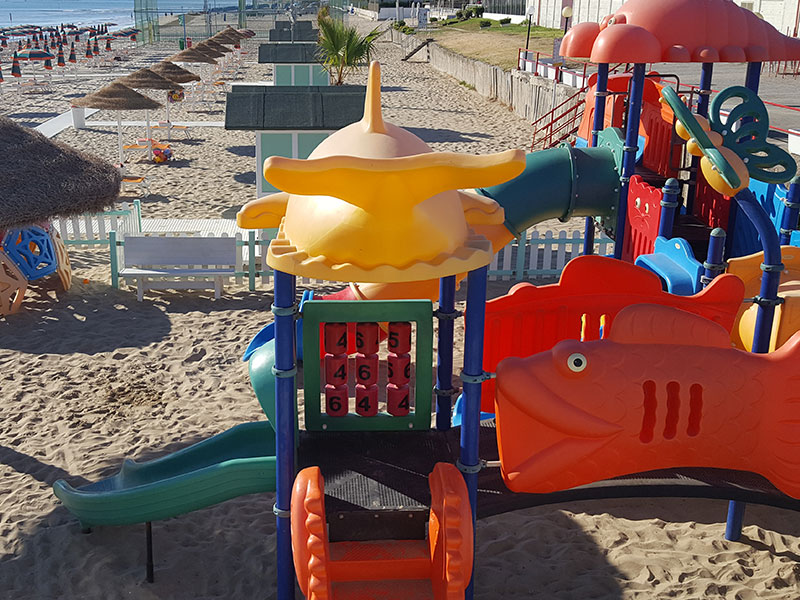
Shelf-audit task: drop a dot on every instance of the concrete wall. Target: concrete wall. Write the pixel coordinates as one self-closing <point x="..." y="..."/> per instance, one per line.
<point x="527" y="95"/>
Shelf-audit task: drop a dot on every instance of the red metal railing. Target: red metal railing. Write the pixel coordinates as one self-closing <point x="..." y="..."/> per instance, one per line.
<point x="559" y="123"/>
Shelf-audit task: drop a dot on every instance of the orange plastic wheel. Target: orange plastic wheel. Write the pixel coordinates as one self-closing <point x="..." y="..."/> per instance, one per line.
<point x="309" y="535"/>
<point x="450" y="533"/>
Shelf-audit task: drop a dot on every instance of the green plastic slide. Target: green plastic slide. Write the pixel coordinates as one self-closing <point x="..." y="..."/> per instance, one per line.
<point x="233" y="463"/>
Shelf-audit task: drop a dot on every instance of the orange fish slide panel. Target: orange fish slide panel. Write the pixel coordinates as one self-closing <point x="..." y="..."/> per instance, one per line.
<point x="531" y="319"/>
<point x="437" y="569"/>
<point x="664" y="390"/>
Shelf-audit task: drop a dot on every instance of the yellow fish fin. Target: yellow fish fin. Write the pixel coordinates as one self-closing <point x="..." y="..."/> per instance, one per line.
<point x="480" y="210"/>
<point x="375" y="183"/>
<point x="264" y="212"/>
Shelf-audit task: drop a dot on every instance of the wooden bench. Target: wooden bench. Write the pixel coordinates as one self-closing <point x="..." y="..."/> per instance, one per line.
<point x="206" y="260"/>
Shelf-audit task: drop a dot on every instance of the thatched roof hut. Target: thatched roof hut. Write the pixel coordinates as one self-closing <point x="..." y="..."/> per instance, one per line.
<point x="173" y="72"/>
<point x="42" y="179"/>
<point x="145" y="79"/>
<point x="116" y="96"/>
<point x="190" y="55"/>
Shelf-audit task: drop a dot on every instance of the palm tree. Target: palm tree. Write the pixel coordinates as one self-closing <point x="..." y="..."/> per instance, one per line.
<point x="342" y="49"/>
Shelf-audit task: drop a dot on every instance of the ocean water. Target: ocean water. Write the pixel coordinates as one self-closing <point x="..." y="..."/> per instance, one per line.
<point x="87" y="12"/>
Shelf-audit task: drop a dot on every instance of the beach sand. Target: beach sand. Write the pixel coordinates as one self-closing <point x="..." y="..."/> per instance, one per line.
<point x="91" y="376"/>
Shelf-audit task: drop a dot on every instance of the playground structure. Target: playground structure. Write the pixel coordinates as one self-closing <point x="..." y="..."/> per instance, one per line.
<point x="28" y="254"/>
<point x="374" y="207"/>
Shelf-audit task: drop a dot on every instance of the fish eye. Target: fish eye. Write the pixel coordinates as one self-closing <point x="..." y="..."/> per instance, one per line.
<point x="611" y="21"/>
<point x="576" y="362"/>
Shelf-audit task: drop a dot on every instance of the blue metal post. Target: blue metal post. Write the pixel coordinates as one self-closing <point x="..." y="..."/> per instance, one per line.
<point x="669" y="205"/>
<point x="284" y="427"/>
<point x="472" y="376"/>
<point x="702" y="109"/>
<point x="714" y="264"/>
<point x="600" y="94"/>
<point x="791" y="212"/>
<point x="444" y="368"/>
<point x="629" y="153"/>
<point x="767" y="300"/>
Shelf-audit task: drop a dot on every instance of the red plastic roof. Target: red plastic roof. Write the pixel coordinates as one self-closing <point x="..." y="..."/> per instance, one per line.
<point x="649" y="31"/>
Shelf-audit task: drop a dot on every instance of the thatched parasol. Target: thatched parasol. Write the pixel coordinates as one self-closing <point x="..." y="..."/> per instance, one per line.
<point x="174" y="72"/>
<point x="208" y="50"/>
<point x="43" y="179"/>
<point x="231" y="32"/>
<point x="145" y="79"/>
<point x="116" y="96"/>
<point x="190" y="55"/>
<point x="214" y="45"/>
<point x="224" y="38"/>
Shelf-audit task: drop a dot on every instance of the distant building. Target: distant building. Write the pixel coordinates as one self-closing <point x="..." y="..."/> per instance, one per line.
<point x="781" y="14"/>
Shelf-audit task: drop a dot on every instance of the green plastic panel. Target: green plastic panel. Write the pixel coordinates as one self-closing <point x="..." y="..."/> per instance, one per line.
<point x="320" y="76"/>
<point x="273" y="144"/>
<point x="283" y="74"/>
<point x="420" y="312"/>
<point x="306" y="142"/>
<point x="302" y="75"/>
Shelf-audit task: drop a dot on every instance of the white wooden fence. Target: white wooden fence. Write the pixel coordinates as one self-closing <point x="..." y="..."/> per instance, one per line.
<point x="93" y="229"/>
<point x="532" y="256"/>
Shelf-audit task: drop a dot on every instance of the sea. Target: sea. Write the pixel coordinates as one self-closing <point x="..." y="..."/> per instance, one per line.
<point x="90" y="12"/>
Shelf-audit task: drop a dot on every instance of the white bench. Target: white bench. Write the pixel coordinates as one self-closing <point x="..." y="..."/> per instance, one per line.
<point x="207" y="260"/>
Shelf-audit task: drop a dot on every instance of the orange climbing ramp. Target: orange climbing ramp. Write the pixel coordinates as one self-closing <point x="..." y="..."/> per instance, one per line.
<point x="438" y="568"/>
<point x="585" y="301"/>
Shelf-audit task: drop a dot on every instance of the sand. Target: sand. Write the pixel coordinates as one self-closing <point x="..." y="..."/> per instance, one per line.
<point x="92" y="376"/>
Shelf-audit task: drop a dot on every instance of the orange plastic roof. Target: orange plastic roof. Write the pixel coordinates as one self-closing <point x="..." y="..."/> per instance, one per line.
<point x="649" y="31"/>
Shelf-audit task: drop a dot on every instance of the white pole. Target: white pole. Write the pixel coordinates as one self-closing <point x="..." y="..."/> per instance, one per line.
<point x="169" y="124"/>
<point x="119" y="139"/>
<point x="147" y="122"/>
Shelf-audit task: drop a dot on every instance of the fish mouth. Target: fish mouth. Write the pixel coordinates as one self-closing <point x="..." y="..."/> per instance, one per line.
<point x="572" y="435"/>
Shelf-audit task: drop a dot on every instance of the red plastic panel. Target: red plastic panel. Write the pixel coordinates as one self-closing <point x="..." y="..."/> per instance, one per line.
<point x="644" y="213"/>
<point x="532" y="319"/>
<point x="711" y="207"/>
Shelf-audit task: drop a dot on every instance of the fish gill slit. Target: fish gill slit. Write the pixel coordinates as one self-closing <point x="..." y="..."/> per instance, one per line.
<point x="649" y="417"/>
<point x="695" y="409"/>
<point x="673" y="410"/>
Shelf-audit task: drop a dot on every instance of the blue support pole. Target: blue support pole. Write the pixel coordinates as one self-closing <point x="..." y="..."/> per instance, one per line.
<point x="767" y="299"/>
<point x="600" y="94"/>
<point x="702" y="109"/>
<point x="472" y="377"/>
<point x="791" y="212"/>
<point x="629" y="153"/>
<point x="714" y="264"/>
<point x="444" y="367"/>
<point x="284" y="310"/>
<point x="669" y="206"/>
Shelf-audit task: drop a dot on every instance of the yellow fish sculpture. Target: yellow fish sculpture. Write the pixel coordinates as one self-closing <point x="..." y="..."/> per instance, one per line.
<point x="374" y="203"/>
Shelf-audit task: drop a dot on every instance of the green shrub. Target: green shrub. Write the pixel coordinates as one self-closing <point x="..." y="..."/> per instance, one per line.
<point x="460" y="15"/>
<point x="400" y="24"/>
<point x="478" y="11"/>
<point x="408" y="30"/>
<point x="485" y="23"/>
<point x="433" y="19"/>
<point x="505" y="21"/>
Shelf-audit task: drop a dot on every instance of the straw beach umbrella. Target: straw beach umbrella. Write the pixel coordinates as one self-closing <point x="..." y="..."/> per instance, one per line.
<point x="145" y="79"/>
<point x="174" y="73"/>
<point x="207" y="50"/>
<point x="118" y="97"/>
<point x="71" y="182"/>
<point x="214" y="45"/>
<point x="190" y="55"/>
